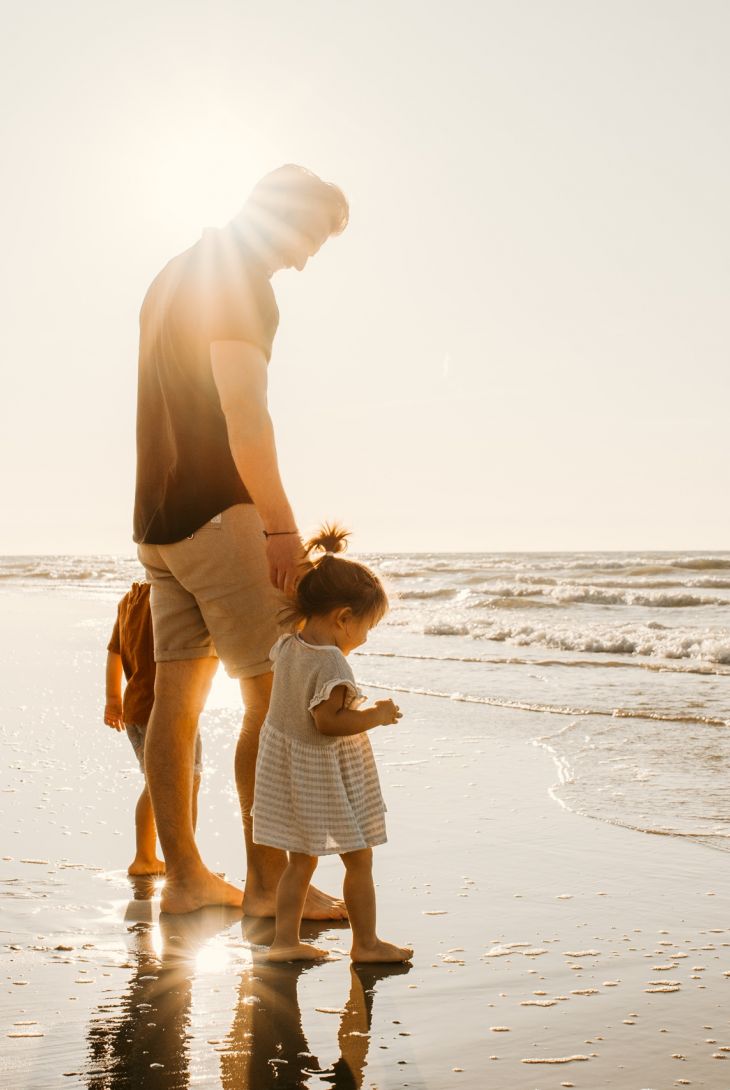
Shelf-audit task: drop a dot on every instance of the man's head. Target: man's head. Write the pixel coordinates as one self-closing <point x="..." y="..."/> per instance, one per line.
<point x="290" y="213"/>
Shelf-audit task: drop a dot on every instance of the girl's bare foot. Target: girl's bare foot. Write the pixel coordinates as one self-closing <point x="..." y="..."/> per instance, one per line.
<point x="139" y="866"/>
<point x="193" y="891"/>
<point x="380" y="951"/>
<point x="300" y="951"/>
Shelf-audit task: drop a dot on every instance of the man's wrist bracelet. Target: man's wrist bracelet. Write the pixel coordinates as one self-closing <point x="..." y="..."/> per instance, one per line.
<point x="279" y="533"/>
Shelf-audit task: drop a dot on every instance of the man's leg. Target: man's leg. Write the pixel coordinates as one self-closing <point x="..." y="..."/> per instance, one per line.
<point x="264" y="865"/>
<point x="180" y="691"/>
<point x="213" y="590"/>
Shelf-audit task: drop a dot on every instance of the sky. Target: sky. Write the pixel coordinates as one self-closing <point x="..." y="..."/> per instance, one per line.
<point x="520" y="341"/>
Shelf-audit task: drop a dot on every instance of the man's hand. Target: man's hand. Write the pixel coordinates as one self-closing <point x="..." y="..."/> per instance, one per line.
<point x="287" y="561"/>
<point x="113" y="713"/>
<point x="389" y="711"/>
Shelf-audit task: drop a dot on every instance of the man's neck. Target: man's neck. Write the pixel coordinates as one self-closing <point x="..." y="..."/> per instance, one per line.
<point x="255" y="247"/>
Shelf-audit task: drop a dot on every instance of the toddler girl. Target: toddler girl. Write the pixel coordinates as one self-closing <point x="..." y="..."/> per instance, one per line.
<point x="317" y="789"/>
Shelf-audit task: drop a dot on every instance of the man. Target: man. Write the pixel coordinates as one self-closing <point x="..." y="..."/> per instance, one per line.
<point x="214" y="527"/>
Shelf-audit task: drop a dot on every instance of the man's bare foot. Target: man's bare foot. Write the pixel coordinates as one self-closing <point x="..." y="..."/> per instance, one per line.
<point x="140" y="867"/>
<point x="197" y="890"/>
<point x="323" y="906"/>
<point x="300" y="951"/>
<point x="260" y="905"/>
<point x="380" y="951"/>
<point x="318" y="905"/>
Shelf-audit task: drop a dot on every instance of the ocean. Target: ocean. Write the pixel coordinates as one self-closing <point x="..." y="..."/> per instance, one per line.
<point x="616" y="663"/>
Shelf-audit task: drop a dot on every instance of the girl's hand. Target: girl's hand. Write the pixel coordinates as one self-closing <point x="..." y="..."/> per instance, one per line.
<point x="390" y="713"/>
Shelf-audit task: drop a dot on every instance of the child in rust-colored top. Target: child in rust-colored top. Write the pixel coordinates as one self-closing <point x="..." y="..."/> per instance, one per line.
<point x="130" y="652"/>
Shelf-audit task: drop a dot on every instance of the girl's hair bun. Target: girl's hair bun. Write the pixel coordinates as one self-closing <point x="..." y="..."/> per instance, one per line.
<point x="332" y="582"/>
<point x="330" y="539"/>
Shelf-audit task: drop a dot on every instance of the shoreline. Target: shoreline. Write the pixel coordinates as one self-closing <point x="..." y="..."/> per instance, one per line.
<point x="510" y="901"/>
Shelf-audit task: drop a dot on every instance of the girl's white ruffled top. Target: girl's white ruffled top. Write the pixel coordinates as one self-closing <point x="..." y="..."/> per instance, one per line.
<point x="316" y="794"/>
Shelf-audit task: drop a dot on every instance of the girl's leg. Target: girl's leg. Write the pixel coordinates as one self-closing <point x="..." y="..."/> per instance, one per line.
<point x="145" y="860"/>
<point x="290" y="897"/>
<point x="360" y="900"/>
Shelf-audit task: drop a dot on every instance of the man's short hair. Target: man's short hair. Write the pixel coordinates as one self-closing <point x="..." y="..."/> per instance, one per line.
<point x="291" y="194"/>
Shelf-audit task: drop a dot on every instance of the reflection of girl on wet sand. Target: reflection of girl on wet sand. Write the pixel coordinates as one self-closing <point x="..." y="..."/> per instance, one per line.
<point x="267" y="1046"/>
<point x="142" y="1040"/>
<point x="317" y="790"/>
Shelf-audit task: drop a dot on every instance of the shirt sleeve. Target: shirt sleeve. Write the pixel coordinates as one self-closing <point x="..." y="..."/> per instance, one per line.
<point x="274" y="652"/>
<point x="114" y="645"/>
<point x="334" y="671"/>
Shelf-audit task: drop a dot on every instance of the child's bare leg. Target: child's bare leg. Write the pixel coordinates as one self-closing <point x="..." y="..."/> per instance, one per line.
<point x="145" y="860"/>
<point x="360" y="900"/>
<point x="290" y="897"/>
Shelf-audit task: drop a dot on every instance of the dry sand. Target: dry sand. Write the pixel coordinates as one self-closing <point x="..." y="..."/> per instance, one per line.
<point x="539" y="935"/>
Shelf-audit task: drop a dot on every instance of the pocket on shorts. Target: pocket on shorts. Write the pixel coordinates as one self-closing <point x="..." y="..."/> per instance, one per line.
<point x="213" y="524"/>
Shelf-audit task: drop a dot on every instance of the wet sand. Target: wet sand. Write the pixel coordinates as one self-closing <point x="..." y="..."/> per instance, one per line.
<point x="539" y="935"/>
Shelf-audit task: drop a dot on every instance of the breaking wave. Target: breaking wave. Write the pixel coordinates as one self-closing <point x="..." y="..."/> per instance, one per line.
<point x="651" y="641"/>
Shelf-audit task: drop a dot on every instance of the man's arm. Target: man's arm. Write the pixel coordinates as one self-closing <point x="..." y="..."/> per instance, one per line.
<point x="240" y="375"/>
<point x="113" y="706"/>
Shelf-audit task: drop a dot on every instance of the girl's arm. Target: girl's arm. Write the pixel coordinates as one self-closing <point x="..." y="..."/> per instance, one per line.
<point x="333" y="718"/>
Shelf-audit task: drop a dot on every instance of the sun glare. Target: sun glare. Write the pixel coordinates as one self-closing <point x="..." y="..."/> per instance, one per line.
<point x="214" y="957"/>
<point x="206" y="172"/>
<point x="224" y="693"/>
<point x="156" y="940"/>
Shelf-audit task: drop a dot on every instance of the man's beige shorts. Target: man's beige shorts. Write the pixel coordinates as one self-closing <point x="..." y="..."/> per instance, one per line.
<point x="211" y="595"/>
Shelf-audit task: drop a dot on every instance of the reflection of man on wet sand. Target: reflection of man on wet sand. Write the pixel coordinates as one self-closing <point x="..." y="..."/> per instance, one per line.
<point x="142" y="1040"/>
<point x="215" y="529"/>
<point x="157" y="1031"/>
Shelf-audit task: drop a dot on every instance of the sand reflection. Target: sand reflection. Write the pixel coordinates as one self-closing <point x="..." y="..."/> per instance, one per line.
<point x="144" y="1038"/>
<point x="267" y="1046"/>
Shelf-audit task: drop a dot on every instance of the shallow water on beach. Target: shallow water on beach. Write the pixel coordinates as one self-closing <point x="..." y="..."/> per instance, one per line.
<point x="622" y="658"/>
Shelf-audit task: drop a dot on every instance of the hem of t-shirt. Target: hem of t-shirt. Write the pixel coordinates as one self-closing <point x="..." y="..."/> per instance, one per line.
<point x="187" y="532"/>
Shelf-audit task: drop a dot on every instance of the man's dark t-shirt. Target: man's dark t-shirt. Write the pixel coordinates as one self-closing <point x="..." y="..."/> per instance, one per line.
<point x="215" y="291"/>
